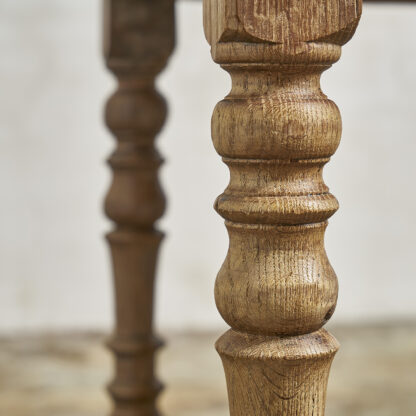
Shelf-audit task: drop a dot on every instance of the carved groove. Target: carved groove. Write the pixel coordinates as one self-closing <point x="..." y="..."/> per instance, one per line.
<point x="275" y="131"/>
<point x="138" y="41"/>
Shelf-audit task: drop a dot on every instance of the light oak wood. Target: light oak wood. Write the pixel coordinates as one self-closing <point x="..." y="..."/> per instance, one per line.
<point x="390" y="1"/>
<point x="139" y="38"/>
<point x="275" y="131"/>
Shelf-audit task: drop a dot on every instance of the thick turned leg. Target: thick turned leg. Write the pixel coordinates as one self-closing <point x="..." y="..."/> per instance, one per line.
<point x="139" y="37"/>
<point x="276" y="130"/>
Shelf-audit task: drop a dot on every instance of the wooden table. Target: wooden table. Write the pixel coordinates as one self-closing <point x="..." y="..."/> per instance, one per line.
<point x="275" y="131"/>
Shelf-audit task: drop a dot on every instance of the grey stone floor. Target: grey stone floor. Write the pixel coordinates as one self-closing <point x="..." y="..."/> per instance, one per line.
<point x="374" y="374"/>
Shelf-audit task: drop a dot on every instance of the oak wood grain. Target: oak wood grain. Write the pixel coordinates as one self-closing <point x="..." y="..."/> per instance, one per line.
<point x="275" y="131"/>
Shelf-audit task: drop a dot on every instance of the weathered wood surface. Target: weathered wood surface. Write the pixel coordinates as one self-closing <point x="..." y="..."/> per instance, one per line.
<point x="390" y="1"/>
<point x="139" y="37"/>
<point x="276" y="130"/>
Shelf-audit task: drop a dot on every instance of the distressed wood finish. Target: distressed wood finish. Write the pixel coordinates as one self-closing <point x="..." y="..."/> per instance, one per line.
<point x="139" y="37"/>
<point x="276" y="130"/>
<point x="390" y="1"/>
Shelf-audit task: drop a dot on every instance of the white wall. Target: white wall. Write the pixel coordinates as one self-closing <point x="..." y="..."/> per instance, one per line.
<point x="54" y="270"/>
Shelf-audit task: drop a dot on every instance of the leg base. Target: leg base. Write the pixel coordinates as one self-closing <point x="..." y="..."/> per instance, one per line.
<point x="277" y="376"/>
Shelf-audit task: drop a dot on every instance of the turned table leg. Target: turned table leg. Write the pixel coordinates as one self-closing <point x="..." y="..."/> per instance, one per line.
<point x="139" y="37"/>
<point x="276" y="130"/>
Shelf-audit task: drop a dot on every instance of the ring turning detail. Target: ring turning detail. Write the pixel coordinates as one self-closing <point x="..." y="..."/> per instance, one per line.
<point x="276" y="130"/>
<point x="139" y="38"/>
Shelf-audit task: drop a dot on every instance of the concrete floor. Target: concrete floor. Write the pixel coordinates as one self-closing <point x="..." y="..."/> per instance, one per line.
<point x="374" y="374"/>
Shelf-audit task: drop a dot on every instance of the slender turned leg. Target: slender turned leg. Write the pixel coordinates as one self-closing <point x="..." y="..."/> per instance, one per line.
<point x="275" y="131"/>
<point x="139" y="37"/>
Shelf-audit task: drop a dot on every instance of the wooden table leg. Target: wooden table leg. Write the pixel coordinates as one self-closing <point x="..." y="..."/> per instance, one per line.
<point x="139" y="37"/>
<point x="276" y="130"/>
